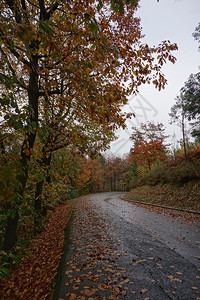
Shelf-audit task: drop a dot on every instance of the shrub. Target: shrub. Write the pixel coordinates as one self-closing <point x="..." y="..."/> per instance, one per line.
<point x="176" y="174"/>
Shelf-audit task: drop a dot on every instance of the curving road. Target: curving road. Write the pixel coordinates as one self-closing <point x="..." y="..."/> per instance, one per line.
<point x="122" y="251"/>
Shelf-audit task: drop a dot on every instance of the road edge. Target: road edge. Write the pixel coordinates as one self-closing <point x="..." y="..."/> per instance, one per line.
<point x="161" y="206"/>
<point x="66" y="248"/>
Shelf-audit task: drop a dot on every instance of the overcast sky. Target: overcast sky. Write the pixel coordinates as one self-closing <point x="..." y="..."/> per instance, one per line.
<point x="173" y="20"/>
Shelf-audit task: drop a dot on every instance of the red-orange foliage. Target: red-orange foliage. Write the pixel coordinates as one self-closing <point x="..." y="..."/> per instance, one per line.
<point x="146" y="153"/>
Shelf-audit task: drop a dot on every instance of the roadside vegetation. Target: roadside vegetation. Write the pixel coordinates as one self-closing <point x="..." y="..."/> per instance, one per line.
<point x="64" y="66"/>
<point x="163" y="175"/>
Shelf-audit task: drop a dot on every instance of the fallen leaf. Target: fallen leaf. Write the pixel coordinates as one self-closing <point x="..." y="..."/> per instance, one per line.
<point x="125" y="281"/>
<point x="102" y="286"/>
<point x="143" y="291"/>
<point x="174" y="279"/>
<point x="139" y="261"/>
<point x="72" y="297"/>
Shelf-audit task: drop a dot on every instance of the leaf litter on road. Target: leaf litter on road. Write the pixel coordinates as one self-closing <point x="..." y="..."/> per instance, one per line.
<point x="94" y="267"/>
<point x="94" y="260"/>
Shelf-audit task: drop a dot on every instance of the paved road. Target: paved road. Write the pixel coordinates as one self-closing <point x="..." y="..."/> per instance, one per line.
<point x="122" y="251"/>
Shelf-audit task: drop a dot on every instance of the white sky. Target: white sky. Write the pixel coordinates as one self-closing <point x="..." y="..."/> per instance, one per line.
<point x="173" y="20"/>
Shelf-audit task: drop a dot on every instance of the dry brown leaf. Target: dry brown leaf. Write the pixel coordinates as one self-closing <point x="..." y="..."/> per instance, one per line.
<point x="139" y="261"/>
<point x="72" y="297"/>
<point x="171" y="278"/>
<point x="143" y="291"/>
<point x="102" y="286"/>
<point x="89" y="292"/>
<point x="125" y="281"/>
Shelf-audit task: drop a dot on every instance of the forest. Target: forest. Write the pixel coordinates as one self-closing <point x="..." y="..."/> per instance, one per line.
<point x="67" y="69"/>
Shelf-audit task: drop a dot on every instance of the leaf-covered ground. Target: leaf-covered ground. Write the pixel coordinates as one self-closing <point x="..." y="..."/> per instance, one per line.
<point x="92" y="267"/>
<point x="186" y="196"/>
<point x="113" y="258"/>
<point x="35" y="275"/>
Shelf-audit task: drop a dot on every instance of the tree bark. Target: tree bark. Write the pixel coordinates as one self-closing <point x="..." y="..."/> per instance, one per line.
<point x="45" y="163"/>
<point x="10" y="236"/>
<point x="10" y="233"/>
<point x="183" y="132"/>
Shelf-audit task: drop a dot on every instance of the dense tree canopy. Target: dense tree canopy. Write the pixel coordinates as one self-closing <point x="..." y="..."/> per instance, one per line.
<point x="67" y="67"/>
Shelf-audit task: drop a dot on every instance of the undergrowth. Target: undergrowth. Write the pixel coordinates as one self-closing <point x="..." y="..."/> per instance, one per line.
<point x="176" y="185"/>
<point x="174" y="174"/>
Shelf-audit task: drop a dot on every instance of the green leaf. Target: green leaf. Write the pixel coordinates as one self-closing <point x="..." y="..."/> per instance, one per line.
<point x="15" y="124"/>
<point x="99" y="6"/>
<point x="94" y="27"/>
<point x="4" y="271"/>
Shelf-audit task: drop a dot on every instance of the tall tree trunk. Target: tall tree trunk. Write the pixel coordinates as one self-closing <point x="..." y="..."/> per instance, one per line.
<point x="114" y="182"/>
<point x="184" y="137"/>
<point x="45" y="163"/>
<point x="38" y="205"/>
<point x="10" y="232"/>
<point x="10" y="236"/>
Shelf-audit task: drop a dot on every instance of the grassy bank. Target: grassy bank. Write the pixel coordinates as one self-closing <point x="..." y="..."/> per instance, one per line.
<point x="186" y="196"/>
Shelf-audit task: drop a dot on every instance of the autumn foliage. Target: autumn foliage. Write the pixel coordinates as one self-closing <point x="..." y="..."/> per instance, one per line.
<point x="146" y="153"/>
<point x="67" y="68"/>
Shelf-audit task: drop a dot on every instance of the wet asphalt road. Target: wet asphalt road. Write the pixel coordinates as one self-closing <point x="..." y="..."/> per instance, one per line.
<point x="122" y="251"/>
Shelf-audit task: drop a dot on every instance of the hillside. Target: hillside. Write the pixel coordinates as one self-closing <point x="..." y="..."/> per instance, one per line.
<point x="186" y="196"/>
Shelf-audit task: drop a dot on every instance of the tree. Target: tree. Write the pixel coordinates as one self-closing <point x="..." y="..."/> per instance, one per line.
<point x="149" y="132"/>
<point x="72" y="54"/>
<point x="178" y="116"/>
<point x="191" y="92"/>
<point x="196" y="34"/>
<point x="147" y="153"/>
<point x="149" y="144"/>
<point x="85" y="137"/>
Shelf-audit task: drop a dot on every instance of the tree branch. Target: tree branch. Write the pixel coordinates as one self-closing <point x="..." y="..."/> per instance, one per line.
<point x="13" y="51"/>
<point x="50" y="93"/>
<point x="43" y="13"/>
<point x="23" y="5"/>
<point x="12" y="70"/>
<point x="52" y="10"/>
<point x="12" y="5"/>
